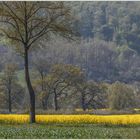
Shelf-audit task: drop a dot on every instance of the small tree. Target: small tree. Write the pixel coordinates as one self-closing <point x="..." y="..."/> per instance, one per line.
<point x="60" y="78"/>
<point x="40" y="86"/>
<point x="92" y="94"/>
<point x="121" y="96"/>
<point x="8" y="79"/>
<point x="24" y="23"/>
<point x="97" y="97"/>
<point x="10" y="86"/>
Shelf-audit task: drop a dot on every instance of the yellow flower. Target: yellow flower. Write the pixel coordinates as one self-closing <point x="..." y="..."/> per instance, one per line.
<point x="73" y="119"/>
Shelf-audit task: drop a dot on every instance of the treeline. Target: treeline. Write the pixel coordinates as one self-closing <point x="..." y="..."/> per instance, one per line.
<point x="64" y="86"/>
<point x="70" y="75"/>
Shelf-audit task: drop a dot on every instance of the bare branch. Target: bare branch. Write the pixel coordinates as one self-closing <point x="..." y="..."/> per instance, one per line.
<point x="63" y="89"/>
<point x="13" y="12"/>
<point x="11" y="37"/>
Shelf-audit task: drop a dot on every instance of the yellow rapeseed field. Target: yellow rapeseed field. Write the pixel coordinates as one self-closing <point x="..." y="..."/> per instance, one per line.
<point x="75" y="119"/>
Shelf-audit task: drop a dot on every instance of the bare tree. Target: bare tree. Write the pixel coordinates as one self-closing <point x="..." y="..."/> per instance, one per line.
<point x="24" y="23"/>
<point x="8" y="80"/>
<point x="10" y="87"/>
<point x="92" y="94"/>
<point x="60" y="79"/>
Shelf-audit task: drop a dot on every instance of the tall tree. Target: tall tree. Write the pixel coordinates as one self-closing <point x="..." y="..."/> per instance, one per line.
<point x="24" y="23"/>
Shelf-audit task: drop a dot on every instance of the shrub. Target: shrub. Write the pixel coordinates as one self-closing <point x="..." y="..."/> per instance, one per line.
<point x="121" y="96"/>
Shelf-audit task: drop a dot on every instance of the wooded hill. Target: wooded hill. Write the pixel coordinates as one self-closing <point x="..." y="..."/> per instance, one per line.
<point x="109" y="46"/>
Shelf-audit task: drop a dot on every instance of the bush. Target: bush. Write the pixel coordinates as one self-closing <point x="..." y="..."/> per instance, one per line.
<point x="121" y="96"/>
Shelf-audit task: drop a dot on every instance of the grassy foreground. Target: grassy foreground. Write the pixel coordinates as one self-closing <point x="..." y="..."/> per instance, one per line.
<point x="53" y="131"/>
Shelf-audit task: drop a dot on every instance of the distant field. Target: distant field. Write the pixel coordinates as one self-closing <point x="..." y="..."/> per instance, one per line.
<point x="68" y="131"/>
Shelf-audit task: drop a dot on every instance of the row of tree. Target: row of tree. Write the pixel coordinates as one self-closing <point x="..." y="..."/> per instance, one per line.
<point x="65" y="86"/>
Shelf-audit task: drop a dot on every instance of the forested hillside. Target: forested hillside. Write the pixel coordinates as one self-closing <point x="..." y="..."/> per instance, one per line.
<point x="110" y="31"/>
<point x="111" y="21"/>
<point x="108" y="48"/>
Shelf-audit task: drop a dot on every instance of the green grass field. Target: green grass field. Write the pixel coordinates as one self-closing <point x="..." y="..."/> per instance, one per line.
<point x="68" y="131"/>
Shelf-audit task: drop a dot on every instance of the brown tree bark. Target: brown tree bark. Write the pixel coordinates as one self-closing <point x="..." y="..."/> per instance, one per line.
<point x="30" y="89"/>
<point x="83" y="102"/>
<point x="55" y="101"/>
<point x="9" y="101"/>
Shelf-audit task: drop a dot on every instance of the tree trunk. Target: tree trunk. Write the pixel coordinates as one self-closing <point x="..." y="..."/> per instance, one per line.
<point x="55" y="101"/>
<point x="42" y="78"/>
<point x="43" y="105"/>
<point x="83" y="102"/>
<point x="30" y="89"/>
<point x="9" y="101"/>
<point x="44" y="100"/>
